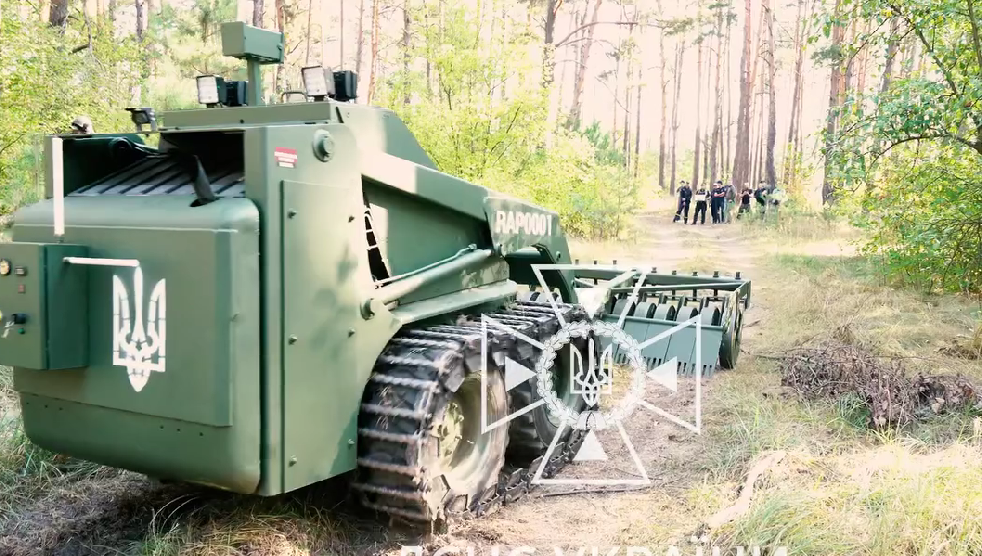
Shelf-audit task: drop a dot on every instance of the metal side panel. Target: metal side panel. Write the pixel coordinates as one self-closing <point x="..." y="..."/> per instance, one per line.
<point x="195" y="417"/>
<point x="329" y="348"/>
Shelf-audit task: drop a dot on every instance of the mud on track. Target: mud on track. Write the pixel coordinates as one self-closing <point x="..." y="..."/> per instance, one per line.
<point x="113" y="512"/>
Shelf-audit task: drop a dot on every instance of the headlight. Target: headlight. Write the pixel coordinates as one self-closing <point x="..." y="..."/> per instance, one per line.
<point x="315" y="82"/>
<point x="208" y="88"/>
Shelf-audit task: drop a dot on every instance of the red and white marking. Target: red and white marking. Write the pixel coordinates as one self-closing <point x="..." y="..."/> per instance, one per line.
<point x="286" y="158"/>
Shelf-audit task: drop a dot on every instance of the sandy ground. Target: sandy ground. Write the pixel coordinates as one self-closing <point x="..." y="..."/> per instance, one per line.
<point x="105" y="513"/>
<point x="664" y="448"/>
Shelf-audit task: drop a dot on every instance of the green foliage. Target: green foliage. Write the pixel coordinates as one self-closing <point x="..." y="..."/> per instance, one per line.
<point x="926" y="223"/>
<point x="47" y="79"/>
<point x="494" y="142"/>
<point x="905" y="164"/>
<point x="471" y="123"/>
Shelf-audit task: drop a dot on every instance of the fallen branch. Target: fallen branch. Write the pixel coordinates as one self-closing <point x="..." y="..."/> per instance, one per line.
<point x="595" y="491"/>
<point x="892" y="398"/>
<point x="742" y="504"/>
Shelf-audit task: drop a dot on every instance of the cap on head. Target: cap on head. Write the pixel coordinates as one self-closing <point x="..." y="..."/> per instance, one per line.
<point x="82" y="124"/>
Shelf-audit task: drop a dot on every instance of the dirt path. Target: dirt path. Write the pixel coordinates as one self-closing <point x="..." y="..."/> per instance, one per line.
<point x="120" y="510"/>
<point x="665" y="449"/>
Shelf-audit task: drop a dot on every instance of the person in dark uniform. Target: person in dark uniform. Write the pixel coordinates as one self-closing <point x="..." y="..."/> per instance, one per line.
<point x="685" y="196"/>
<point x="702" y="199"/>
<point x="728" y="201"/>
<point x="716" y="206"/>
<point x="760" y="194"/>
<point x="745" y="201"/>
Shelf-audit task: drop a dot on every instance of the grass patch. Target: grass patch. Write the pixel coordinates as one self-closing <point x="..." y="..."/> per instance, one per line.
<point x="843" y="489"/>
<point x="881" y="501"/>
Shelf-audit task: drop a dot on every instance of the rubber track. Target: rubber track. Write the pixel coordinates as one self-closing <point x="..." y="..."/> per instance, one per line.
<point x="420" y="363"/>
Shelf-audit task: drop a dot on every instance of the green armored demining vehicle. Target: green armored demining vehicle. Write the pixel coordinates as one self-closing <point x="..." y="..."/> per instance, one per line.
<point x="275" y="295"/>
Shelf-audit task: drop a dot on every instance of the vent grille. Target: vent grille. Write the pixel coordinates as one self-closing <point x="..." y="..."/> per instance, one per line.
<point x="163" y="176"/>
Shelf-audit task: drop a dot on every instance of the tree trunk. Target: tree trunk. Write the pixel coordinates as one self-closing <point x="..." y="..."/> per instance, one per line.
<point x="759" y="156"/>
<point x="310" y="30"/>
<point x="695" y="164"/>
<point x="769" y="172"/>
<point x="727" y="128"/>
<point x="371" y="74"/>
<point x="360" y="47"/>
<point x="790" y="149"/>
<point x="664" y="110"/>
<point x="718" y="108"/>
<point x="626" y="140"/>
<point x="575" y="110"/>
<point x="58" y="14"/>
<point x="549" y="71"/>
<point x="279" y="80"/>
<point x="741" y="159"/>
<point x="888" y="66"/>
<point x="406" y="43"/>
<point x="851" y="62"/>
<point x="637" y="121"/>
<point x="627" y="94"/>
<point x="257" y="13"/>
<point x="615" y="105"/>
<point x="835" y="90"/>
<point x="706" y="130"/>
<point x="567" y="54"/>
<point x="679" y="56"/>
<point x="805" y="30"/>
<point x="861" y="66"/>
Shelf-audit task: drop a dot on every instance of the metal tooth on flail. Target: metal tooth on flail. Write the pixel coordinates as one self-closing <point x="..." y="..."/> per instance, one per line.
<point x="435" y="346"/>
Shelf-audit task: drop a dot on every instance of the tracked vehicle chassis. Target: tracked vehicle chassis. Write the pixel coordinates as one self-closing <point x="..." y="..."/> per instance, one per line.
<point x="410" y="387"/>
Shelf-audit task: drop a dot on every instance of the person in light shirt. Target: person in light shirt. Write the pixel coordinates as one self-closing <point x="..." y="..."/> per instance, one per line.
<point x="703" y="198"/>
<point x="82" y="125"/>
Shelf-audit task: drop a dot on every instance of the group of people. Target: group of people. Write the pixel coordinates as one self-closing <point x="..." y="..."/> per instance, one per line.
<point x="719" y="200"/>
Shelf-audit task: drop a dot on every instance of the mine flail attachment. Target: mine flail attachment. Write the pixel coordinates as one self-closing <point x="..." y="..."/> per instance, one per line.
<point x="660" y="312"/>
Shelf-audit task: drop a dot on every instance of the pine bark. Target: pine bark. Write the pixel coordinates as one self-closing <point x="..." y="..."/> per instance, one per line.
<point x="663" y="84"/>
<point x="718" y="108"/>
<point x="58" y="14"/>
<point x="406" y="45"/>
<point x="577" y="106"/>
<point x="769" y="172"/>
<point x="374" y="67"/>
<point x="679" y="56"/>
<point x="637" y="122"/>
<point x="792" y="151"/>
<point x="741" y="159"/>
<point x="695" y="165"/>
<point x="257" y="13"/>
<point x="836" y="81"/>
<point x="360" y="48"/>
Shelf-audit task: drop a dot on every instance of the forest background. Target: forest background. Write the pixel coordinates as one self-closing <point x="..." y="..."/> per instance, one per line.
<point x="864" y="112"/>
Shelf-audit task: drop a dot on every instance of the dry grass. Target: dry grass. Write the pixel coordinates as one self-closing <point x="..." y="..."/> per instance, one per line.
<point x="842" y="489"/>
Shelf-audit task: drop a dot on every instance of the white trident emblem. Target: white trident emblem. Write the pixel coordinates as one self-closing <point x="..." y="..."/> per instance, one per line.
<point x="141" y="351"/>
<point x="593" y="380"/>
